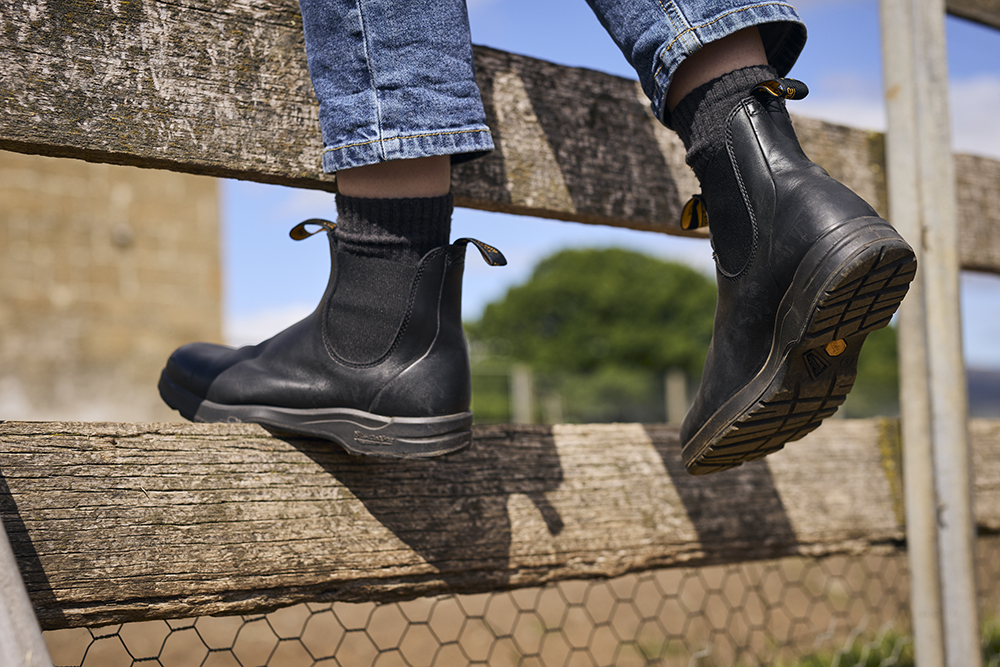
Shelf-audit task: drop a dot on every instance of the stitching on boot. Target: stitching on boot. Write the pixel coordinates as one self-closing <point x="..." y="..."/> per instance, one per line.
<point x="413" y="292"/>
<point x="744" y="105"/>
<point x="403" y="327"/>
<point x="373" y="406"/>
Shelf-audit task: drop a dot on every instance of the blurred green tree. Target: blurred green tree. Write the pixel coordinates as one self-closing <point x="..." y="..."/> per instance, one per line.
<point x="583" y="310"/>
<point x="598" y="327"/>
<point x="876" y="391"/>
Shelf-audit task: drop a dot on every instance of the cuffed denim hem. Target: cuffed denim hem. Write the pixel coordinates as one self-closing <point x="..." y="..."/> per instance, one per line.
<point x="462" y="144"/>
<point x="781" y="29"/>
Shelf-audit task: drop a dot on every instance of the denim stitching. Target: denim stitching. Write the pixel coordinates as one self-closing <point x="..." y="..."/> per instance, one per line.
<point x="716" y="20"/>
<point x="660" y="3"/>
<point x="371" y="73"/>
<point x="409" y="136"/>
<point x="673" y="25"/>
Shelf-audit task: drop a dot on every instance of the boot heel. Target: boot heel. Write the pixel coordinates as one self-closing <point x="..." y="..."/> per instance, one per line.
<point x="865" y="295"/>
<point x="365" y="434"/>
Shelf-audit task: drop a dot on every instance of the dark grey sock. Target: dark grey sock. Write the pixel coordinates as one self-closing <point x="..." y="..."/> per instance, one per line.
<point x="699" y="119"/>
<point x="399" y="230"/>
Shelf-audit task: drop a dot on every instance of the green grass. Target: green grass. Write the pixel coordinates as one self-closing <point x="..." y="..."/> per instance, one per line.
<point x="892" y="649"/>
<point x="889" y="649"/>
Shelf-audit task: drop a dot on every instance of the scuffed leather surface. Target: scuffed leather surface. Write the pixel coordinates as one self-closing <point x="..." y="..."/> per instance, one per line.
<point x="424" y="371"/>
<point x="767" y="205"/>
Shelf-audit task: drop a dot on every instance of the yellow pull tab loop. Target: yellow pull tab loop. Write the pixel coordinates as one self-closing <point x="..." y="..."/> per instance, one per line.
<point x="491" y="255"/>
<point x="300" y="233"/>
<point x="695" y="215"/>
<point x="786" y="89"/>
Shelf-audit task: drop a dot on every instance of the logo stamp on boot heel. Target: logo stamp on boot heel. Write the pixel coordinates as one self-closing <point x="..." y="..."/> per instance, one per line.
<point x="373" y="439"/>
<point x="815" y="364"/>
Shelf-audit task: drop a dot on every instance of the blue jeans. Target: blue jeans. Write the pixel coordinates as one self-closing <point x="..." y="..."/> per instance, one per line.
<point x="395" y="78"/>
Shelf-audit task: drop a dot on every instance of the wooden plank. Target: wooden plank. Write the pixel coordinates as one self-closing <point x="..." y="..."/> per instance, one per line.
<point x="208" y="88"/>
<point x="977" y="182"/>
<point x="986" y="465"/>
<point x="223" y="90"/>
<point x="986" y="12"/>
<point x="119" y="522"/>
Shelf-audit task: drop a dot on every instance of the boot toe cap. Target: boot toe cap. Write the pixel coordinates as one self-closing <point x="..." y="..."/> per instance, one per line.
<point x="194" y="367"/>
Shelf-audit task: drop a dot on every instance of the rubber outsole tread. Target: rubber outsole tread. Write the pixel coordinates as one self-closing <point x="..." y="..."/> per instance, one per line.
<point x="860" y="302"/>
<point x="835" y="322"/>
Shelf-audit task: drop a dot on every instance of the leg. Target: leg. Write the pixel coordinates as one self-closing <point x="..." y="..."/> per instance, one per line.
<point x="381" y="366"/>
<point x="659" y="36"/>
<point x="419" y="177"/>
<point x="740" y="49"/>
<point x="394" y="80"/>
<point x="805" y="268"/>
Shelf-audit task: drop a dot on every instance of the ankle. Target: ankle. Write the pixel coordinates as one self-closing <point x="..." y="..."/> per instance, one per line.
<point x="417" y="177"/>
<point x="743" y="48"/>
<point x="700" y="118"/>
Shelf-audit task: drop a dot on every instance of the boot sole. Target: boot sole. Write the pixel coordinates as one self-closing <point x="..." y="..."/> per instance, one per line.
<point x="844" y="289"/>
<point x="358" y="432"/>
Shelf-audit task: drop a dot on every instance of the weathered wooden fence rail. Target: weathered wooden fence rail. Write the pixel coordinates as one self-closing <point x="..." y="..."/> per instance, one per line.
<point x="224" y="90"/>
<point x="115" y="522"/>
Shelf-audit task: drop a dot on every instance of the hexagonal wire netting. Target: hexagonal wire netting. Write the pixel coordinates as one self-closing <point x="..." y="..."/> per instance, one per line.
<point x="795" y="612"/>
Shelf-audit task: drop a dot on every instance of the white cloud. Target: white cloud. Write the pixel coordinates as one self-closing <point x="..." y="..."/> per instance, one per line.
<point x="302" y="203"/>
<point x="525" y="241"/>
<point x="854" y="110"/>
<point x="974" y="120"/>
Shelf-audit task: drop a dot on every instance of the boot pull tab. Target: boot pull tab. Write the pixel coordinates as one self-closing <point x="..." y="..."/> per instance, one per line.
<point x="492" y="256"/>
<point x="300" y="233"/>
<point x="786" y="89"/>
<point x="695" y="215"/>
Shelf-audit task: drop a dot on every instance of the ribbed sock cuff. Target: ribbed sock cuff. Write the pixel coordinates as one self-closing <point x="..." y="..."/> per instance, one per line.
<point x="700" y="118"/>
<point x="400" y="230"/>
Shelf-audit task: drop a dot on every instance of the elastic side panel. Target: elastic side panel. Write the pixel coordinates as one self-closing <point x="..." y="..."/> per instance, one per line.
<point x="368" y="307"/>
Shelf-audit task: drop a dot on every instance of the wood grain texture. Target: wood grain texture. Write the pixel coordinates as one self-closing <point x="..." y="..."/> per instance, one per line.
<point x="985" y="436"/>
<point x="224" y="90"/>
<point x="209" y="88"/>
<point x="117" y="522"/>
<point x="977" y="182"/>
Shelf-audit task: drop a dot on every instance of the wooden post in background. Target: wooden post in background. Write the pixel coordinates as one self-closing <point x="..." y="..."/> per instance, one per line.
<point x="675" y="387"/>
<point x="922" y="205"/>
<point x="522" y="400"/>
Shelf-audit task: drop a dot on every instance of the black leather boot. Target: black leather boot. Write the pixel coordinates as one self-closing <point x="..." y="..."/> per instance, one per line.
<point x="806" y="270"/>
<point x="381" y="366"/>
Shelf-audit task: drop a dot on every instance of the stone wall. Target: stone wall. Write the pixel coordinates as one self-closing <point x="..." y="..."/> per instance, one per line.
<point x="104" y="270"/>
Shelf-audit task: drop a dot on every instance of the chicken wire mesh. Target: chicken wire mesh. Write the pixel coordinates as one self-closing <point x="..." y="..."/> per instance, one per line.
<point x="836" y="611"/>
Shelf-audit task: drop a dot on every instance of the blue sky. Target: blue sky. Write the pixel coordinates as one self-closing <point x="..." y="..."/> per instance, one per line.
<point x="270" y="281"/>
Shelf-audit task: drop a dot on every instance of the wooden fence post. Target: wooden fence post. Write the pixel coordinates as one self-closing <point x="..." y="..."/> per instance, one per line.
<point x="522" y="395"/>
<point x="922" y="204"/>
<point x="675" y="388"/>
